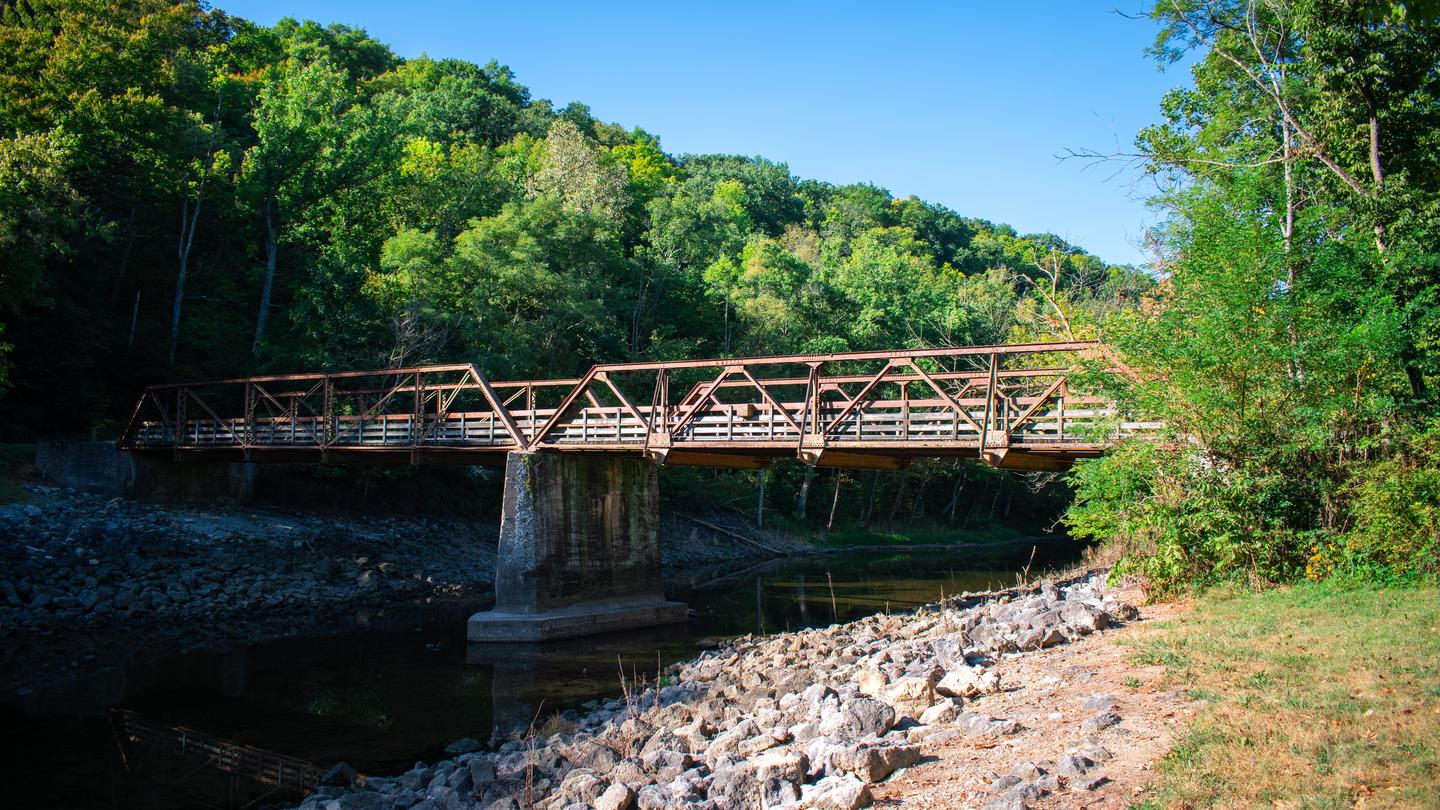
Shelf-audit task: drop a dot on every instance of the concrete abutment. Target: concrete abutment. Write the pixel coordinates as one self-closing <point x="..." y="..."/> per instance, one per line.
<point x="579" y="550"/>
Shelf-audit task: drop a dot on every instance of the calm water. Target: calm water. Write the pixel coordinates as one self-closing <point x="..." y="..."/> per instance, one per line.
<point x="399" y="688"/>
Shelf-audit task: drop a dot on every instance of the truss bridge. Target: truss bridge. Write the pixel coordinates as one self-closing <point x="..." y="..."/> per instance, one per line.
<point x="1025" y="406"/>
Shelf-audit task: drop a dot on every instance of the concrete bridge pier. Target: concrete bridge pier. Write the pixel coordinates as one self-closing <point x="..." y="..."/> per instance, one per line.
<point x="579" y="550"/>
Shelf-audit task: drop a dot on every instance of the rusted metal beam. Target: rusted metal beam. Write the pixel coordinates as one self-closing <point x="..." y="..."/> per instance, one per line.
<point x="858" y="398"/>
<point x="700" y="428"/>
<point x="1035" y="406"/>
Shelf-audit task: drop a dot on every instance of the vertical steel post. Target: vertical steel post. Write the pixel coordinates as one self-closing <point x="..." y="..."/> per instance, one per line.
<point x="418" y="415"/>
<point x="989" y="403"/>
<point x="905" y="410"/>
<point x="1060" y="411"/>
<point x="252" y="396"/>
<point x="327" y="413"/>
<point x="180" y="428"/>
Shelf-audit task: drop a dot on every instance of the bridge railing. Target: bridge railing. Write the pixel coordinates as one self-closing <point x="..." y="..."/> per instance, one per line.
<point x="392" y="408"/>
<point x="987" y="399"/>
<point x="847" y="408"/>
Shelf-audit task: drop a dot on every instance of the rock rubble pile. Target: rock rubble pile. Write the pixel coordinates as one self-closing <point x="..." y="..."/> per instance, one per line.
<point x="72" y="559"/>
<point x="810" y="719"/>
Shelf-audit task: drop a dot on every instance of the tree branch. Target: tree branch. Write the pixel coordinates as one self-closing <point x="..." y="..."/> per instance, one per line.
<point x="1314" y="144"/>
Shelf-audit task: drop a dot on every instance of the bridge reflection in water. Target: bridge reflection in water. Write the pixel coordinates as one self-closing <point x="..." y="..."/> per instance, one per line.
<point x="1027" y="406"/>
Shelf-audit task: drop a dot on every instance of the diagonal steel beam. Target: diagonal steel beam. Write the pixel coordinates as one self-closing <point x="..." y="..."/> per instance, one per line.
<point x="771" y="400"/>
<point x="575" y="393"/>
<point x="218" y="421"/>
<point x="128" y="435"/>
<point x="444" y="403"/>
<point x="700" y="401"/>
<point x="259" y="389"/>
<point x="397" y="388"/>
<point x="954" y="406"/>
<point x="1035" y="406"/>
<point x="864" y="392"/>
<point x="521" y="441"/>
<point x="624" y="402"/>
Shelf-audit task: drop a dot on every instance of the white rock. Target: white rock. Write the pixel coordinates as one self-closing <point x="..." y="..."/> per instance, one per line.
<point x="618" y="796"/>
<point x="834" y="793"/>
<point x="968" y="682"/>
<point x="942" y="712"/>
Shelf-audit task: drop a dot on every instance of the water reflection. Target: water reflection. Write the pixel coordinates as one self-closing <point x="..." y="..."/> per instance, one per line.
<point x="400" y="684"/>
<point x="531" y="682"/>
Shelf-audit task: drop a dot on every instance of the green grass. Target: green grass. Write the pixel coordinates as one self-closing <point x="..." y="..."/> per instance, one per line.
<point x="1320" y="697"/>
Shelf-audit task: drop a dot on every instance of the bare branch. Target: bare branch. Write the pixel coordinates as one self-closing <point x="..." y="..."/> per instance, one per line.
<point x="1275" y="96"/>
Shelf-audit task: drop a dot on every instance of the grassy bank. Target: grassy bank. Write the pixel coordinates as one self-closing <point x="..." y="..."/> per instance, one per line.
<point x="1319" y="698"/>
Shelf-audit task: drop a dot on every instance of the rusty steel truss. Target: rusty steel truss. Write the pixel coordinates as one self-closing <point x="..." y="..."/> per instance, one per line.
<point x="1017" y="406"/>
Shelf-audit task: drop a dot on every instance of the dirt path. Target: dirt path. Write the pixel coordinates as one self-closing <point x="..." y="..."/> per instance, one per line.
<point x="1047" y="692"/>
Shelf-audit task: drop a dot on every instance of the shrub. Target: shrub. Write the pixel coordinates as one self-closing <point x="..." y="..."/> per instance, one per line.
<point x="1394" y="510"/>
<point x="1181" y="519"/>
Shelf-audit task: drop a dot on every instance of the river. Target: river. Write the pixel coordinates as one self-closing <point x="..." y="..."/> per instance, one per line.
<point x="390" y="687"/>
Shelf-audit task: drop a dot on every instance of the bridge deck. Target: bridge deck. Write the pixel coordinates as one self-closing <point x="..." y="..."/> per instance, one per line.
<point x="1010" y="405"/>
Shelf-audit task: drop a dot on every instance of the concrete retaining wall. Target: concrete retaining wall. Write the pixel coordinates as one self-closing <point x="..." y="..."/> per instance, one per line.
<point x="104" y="469"/>
<point x="96" y="467"/>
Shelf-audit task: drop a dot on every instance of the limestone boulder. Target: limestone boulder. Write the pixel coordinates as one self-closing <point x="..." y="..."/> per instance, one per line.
<point x="909" y="696"/>
<point x="842" y="792"/>
<point x="618" y="796"/>
<point x="968" y="682"/>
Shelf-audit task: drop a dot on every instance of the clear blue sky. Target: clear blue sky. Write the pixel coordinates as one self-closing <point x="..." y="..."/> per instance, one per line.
<point x="962" y="103"/>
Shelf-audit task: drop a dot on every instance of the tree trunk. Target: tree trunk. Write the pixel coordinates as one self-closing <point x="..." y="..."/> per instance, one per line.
<point x="834" y="501"/>
<point x="895" y="505"/>
<point x="870" y="504"/>
<point x="802" y="501"/>
<point x="760" y="502"/>
<point x="124" y="259"/>
<point x="134" y="320"/>
<point x="999" y="487"/>
<point x="189" y="221"/>
<point x="271" y="247"/>
<point x="1418" y="389"/>
<point x="955" y="495"/>
<point x="1377" y="171"/>
<point x="1287" y="232"/>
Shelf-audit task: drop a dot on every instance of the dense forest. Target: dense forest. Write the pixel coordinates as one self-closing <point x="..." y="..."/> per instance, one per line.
<point x="191" y="194"/>
<point x="184" y="194"/>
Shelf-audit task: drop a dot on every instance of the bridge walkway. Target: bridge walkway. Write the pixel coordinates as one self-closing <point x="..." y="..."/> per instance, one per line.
<point x="1020" y="406"/>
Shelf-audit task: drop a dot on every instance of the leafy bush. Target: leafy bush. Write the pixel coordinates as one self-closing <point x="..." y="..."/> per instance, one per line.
<point x="1394" y="510"/>
<point x="1180" y="519"/>
<point x="1293" y="327"/>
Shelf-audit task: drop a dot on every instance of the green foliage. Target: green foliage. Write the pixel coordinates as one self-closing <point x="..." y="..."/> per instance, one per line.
<point x="1289" y="344"/>
<point x="1181" y="521"/>
<point x="184" y="193"/>
<point x="1394" y="509"/>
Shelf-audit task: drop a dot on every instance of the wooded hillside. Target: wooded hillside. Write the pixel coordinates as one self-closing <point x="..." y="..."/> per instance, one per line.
<point x="186" y="194"/>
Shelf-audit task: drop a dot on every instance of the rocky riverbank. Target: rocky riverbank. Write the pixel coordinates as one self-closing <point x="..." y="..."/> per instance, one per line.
<point x="86" y="581"/>
<point x="87" y="578"/>
<point x="811" y="719"/>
